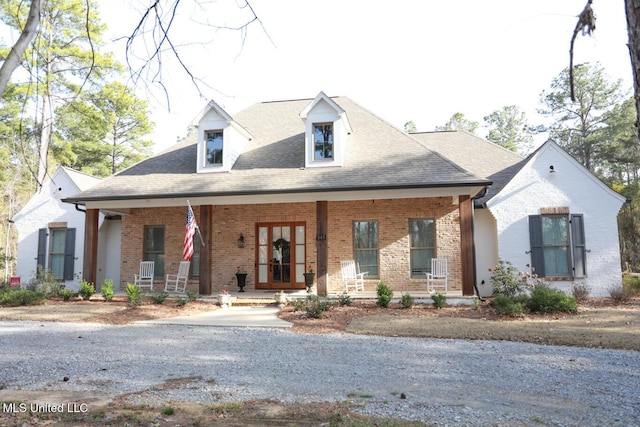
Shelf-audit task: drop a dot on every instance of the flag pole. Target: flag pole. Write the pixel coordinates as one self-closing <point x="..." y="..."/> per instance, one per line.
<point x="197" y="226"/>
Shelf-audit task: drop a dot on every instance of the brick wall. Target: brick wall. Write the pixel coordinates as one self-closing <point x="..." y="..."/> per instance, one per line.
<point x="231" y="220"/>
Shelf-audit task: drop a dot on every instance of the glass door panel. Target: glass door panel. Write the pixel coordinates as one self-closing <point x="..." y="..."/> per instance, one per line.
<point x="281" y="256"/>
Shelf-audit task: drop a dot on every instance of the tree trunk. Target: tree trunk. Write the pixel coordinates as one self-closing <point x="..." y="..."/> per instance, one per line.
<point x="632" y="9"/>
<point x="17" y="51"/>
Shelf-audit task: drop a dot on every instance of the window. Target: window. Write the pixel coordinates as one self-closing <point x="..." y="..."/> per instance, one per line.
<point x="422" y="241"/>
<point x="322" y="141"/>
<point x="365" y="246"/>
<point x="59" y="255"/>
<point x="213" y="146"/>
<point x="154" y="247"/>
<point x="558" y="245"/>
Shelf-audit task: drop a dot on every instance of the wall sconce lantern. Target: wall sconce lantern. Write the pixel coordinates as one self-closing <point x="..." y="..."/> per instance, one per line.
<point x="241" y="241"/>
<point x="551" y="169"/>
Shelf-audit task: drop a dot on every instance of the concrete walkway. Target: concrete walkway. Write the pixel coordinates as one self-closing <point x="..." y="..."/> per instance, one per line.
<point x="239" y="316"/>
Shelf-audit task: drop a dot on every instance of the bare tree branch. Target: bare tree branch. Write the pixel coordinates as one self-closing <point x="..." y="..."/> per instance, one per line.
<point x="586" y="24"/>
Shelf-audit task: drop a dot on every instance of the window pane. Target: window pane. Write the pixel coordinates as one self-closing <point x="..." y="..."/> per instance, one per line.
<point x="554" y="230"/>
<point x="556" y="261"/>
<point x="57" y="241"/>
<point x="323" y="141"/>
<point x="365" y="243"/>
<point x="421" y="261"/>
<point x="422" y="233"/>
<point x="56" y="254"/>
<point x="154" y="248"/>
<point x="214" y="148"/>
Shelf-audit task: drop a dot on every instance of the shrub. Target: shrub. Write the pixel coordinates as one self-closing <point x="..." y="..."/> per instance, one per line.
<point x="66" y="294"/>
<point x="192" y="295"/>
<point x="20" y="296"/>
<point x="384" y="295"/>
<point x="439" y="300"/>
<point x="406" y="300"/>
<point x="168" y="410"/>
<point x="86" y="290"/>
<point x="507" y="280"/>
<point x="181" y="301"/>
<point x="507" y="306"/>
<point x="107" y="290"/>
<point x="545" y="299"/>
<point x="133" y="295"/>
<point x="633" y="283"/>
<point x="316" y="306"/>
<point x="580" y="291"/>
<point x="344" y="299"/>
<point x="158" y="297"/>
<point x="621" y="293"/>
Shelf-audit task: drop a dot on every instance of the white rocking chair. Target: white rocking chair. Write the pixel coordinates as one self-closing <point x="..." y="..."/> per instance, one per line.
<point x="178" y="282"/>
<point x="145" y="278"/>
<point x="351" y="276"/>
<point x="438" y="276"/>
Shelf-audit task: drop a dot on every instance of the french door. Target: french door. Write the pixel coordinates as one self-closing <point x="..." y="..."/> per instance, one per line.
<point x="281" y="255"/>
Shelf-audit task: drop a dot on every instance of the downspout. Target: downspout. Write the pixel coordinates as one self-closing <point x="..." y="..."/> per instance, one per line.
<point x="84" y="211"/>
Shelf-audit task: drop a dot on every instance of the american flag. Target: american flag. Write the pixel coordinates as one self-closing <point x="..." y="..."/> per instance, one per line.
<point x="191" y="226"/>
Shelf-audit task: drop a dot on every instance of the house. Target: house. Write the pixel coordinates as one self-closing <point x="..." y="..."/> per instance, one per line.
<point x="284" y="187"/>
<point x="546" y="213"/>
<point x="51" y="233"/>
<point x="288" y="186"/>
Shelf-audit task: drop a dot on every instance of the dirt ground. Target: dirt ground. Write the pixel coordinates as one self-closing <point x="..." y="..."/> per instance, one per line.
<point x="598" y="323"/>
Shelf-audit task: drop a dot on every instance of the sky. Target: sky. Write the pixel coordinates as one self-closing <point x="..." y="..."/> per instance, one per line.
<point x="418" y="60"/>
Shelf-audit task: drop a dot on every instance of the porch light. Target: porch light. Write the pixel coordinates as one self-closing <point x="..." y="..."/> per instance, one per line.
<point x="241" y="241"/>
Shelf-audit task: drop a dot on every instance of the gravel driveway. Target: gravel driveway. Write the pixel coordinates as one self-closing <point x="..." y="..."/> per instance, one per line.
<point x="446" y="382"/>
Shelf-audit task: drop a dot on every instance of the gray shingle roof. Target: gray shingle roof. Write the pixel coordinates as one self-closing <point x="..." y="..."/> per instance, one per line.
<point x="479" y="156"/>
<point x="377" y="156"/>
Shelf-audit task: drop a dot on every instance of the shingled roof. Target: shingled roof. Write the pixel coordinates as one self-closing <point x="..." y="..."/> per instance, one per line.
<point x="479" y="156"/>
<point x="378" y="156"/>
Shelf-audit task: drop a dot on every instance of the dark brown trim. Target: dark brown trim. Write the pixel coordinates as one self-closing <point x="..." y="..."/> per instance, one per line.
<point x="204" y="222"/>
<point x="322" y="250"/>
<point x="90" y="261"/>
<point x="466" y="244"/>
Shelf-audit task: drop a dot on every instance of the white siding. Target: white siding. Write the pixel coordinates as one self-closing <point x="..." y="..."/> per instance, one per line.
<point x="570" y="186"/>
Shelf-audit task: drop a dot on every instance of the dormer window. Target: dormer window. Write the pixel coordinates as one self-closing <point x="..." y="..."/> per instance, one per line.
<point x="214" y="144"/>
<point x="323" y="141"/>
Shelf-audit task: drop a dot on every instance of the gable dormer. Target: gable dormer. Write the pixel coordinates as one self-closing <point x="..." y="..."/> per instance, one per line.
<point x="326" y="132"/>
<point x="220" y="139"/>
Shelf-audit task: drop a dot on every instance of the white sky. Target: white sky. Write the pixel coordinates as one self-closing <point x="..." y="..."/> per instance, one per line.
<point x="419" y="60"/>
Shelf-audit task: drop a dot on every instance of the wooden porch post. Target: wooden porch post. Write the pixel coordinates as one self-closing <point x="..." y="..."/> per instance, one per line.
<point x="322" y="252"/>
<point x="204" y="222"/>
<point x="466" y="244"/>
<point x="90" y="262"/>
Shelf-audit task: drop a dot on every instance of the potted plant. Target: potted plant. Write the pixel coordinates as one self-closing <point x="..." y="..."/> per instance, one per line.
<point x="308" y="279"/>
<point x="241" y="277"/>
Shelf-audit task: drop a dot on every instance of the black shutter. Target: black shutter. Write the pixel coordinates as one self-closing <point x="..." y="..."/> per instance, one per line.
<point x="579" y="247"/>
<point x="69" y="253"/>
<point x="537" y="248"/>
<point x="42" y="249"/>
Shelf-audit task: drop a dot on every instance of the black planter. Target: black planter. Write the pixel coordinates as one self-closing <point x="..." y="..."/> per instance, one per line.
<point x="242" y="280"/>
<point x="308" y="280"/>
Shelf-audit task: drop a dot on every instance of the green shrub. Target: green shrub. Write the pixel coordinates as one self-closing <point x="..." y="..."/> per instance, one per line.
<point x="384" y="295"/>
<point x="545" y="299"/>
<point x="439" y="299"/>
<point x="344" y="299"/>
<point x="168" y="410"/>
<point x="107" y="289"/>
<point x="86" y="290"/>
<point x="133" y="295"/>
<point x="316" y="306"/>
<point x="181" y="301"/>
<point x="406" y="300"/>
<point x="66" y="294"/>
<point x="507" y="280"/>
<point x="158" y="297"/>
<point x="20" y="296"/>
<point x="192" y="295"/>
<point x="507" y="306"/>
<point x="633" y="283"/>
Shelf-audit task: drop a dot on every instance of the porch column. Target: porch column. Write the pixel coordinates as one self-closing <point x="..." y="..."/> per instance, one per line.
<point x="466" y="244"/>
<point x="205" y="252"/>
<point x="322" y="253"/>
<point x="90" y="260"/>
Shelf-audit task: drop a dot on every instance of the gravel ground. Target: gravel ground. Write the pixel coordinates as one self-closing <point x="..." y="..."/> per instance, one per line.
<point x="445" y="382"/>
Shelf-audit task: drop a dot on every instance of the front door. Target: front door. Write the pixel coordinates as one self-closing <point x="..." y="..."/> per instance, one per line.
<point x="281" y="255"/>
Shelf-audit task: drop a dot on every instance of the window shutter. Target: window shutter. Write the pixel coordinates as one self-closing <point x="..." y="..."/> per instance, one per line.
<point x="578" y="246"/>
<point x="537" y="248"/>
<point x="42" y="249"/>
<point x="69" y="253"/>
